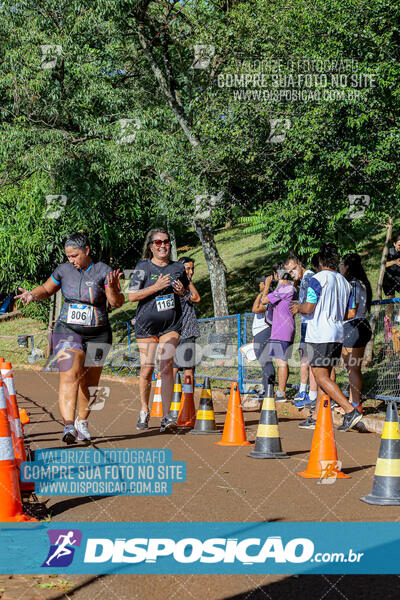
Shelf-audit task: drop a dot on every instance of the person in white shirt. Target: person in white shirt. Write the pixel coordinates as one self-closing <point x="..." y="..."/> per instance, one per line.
<point x="329" y="303"/>
<point x="302" y="276"/>
<point x="357" y="331"/>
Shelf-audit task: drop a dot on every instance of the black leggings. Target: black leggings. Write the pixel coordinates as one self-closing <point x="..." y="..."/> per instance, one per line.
<point x="261" y="350"/>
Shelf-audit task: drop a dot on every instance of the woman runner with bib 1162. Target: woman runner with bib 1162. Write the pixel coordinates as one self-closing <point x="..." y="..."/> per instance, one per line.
<point x="82" y="334"/>
<point x="156" y="284"/>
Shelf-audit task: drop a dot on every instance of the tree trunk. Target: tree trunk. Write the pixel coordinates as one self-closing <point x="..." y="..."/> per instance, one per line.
<point x="215" y="266"/>
<point x="374" y="317"/>
<point x="172" y="239"/>
<point x="203" y="228"/>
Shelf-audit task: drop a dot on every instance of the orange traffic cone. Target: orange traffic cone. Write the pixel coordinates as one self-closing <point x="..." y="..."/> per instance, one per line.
<point x="322" y="463"/>
<point x="187" y="413"/>
<point x="156" y="407"/>
<point x="16" y="429"/>
<point x="9" y="407"/>
<point x="234" y="433"/>
<point x="10" y="496"/>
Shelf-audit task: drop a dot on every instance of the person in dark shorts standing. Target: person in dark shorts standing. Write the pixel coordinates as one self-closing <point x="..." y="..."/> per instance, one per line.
<point x="357" y="331"/>
<point x="185" y="357"/>
<point x="261" y="330"/>
<point x="391" y="279"/>
<point x="330" y="302"/>
<point x="82" y="334"/>
<point x="157" y="284"/>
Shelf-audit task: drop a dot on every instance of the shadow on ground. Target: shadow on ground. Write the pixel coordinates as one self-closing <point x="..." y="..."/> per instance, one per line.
<point x="329" y="587"/>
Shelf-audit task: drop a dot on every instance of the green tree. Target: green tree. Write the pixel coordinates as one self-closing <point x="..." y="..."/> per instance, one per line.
<point x="137" y="111"/>
<point x="334" y="150"/>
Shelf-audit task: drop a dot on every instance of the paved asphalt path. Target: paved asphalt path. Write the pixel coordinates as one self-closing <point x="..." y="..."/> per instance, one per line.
<point x="223" y="484"/>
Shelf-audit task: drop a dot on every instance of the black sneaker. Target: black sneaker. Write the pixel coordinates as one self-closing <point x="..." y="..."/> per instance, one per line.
<point x="308" y="423"/>
<point x="168" y="424"/>
<point x="280" y="397"/>
<point x="350" y="419"/>
<point x="69" y="435"/>
<point x="143" y="420"/>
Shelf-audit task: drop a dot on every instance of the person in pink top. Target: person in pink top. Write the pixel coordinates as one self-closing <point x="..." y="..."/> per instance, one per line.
<point x="283" y="328"/>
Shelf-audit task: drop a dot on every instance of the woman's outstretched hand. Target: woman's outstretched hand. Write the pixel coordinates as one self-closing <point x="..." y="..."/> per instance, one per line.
<point x="26" y="297"/>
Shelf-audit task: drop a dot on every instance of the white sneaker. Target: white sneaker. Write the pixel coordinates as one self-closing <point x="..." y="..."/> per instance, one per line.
<point x="82" y="429"/>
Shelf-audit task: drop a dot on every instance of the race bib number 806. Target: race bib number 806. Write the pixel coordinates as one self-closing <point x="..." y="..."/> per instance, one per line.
<point x="80" y="314"/>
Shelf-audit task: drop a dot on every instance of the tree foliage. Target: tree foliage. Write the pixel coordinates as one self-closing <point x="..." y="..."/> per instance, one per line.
<point x="63" y="130"/>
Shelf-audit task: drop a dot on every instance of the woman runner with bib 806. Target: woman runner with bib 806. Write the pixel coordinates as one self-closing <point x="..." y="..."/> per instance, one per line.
<point x="82" y="326"/>
<point x="156" y="284"/>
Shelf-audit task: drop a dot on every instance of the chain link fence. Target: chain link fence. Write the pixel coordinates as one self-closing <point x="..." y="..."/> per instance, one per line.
<point x="218" y="353"/>
<point x="382" y="375"/>
<point x="124" y="354"/>
<point x="217" y="349"/>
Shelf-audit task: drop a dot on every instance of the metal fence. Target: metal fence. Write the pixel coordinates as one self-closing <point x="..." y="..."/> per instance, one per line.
<point x="124" y="354"/>
<point x="217" y="349"/>
<point x="382" y="376"/>
<point x="218" y="353"/>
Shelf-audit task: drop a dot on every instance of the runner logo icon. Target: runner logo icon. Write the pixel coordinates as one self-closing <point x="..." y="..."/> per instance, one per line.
<point x="62" y="547"/>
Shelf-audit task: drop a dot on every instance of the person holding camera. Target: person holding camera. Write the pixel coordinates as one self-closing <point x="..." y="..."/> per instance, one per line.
<point x="261" y="329"/>
<point x="283" y="327"/>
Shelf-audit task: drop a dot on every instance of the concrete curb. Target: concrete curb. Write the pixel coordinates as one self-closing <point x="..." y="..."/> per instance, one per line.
<point x="10" y="316"/>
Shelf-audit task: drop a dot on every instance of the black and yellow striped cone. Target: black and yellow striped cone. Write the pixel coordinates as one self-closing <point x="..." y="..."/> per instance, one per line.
<point x="176" y="398"/>
<point x="268" y="441"/>
<point x="386" y="487"/>
<point x="205" y="419"/>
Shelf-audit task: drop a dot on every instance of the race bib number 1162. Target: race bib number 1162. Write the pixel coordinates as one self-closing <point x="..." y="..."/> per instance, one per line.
<point x="165" y="302"/>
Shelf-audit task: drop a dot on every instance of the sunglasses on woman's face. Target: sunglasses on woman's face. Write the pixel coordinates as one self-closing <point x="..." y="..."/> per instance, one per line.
<point x="159" y="243"/>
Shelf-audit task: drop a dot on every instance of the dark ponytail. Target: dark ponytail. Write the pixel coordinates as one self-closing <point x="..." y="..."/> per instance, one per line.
<point x="355" y="270"/>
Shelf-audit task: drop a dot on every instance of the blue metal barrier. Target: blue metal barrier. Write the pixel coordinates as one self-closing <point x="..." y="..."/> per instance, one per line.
<point x="386" y="301"/>
<point x="121" y="355"/>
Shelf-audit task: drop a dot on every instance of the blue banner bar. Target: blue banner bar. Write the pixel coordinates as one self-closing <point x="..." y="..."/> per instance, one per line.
<point x="200" y="548"/>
